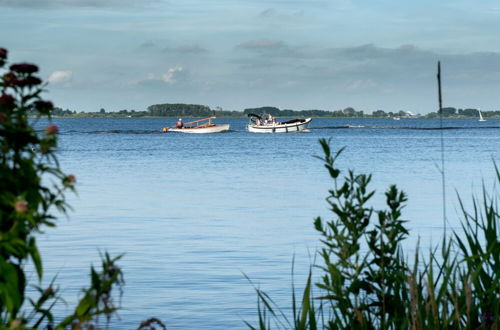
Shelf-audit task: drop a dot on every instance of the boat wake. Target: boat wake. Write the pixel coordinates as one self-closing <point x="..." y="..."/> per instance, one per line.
<point x="114" y="131"/>
<point x="402" y="127"/>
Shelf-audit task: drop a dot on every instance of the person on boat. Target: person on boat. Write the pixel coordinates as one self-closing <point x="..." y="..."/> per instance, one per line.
<point x="270" y="119"/>
<point x="180" y="124"/>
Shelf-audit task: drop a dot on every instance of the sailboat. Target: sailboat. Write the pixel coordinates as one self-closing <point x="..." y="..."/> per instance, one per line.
<point x="481" y="116"/>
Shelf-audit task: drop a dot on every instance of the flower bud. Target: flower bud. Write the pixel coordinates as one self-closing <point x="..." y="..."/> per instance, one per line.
<point x="21" y="206"/>
<point x="71" y="178"/>
<point x="51" y="129"/>
<point x="15" y="324"/>
<point x="49" y="291"/>
<point x="10" y="79"/>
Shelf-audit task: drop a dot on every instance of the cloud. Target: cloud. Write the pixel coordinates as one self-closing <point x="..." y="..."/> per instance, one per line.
<point x="288" y="84"/>
<point x="269" y="12"/>
<point x="347" y="71"/>
<point x="273" y="14"/>
<point x="370" y="51"/>
<point x="173" y="75"/>
<point x="361" y="84"/>
<point x="147" y="44"/>
<point x="271" y="48"/>
<point x="60" y="77"/>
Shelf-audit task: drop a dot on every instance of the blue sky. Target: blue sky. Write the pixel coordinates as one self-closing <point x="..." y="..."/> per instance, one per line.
<point x="308" y="54"/>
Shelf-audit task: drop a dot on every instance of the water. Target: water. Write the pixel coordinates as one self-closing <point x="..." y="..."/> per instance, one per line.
<point x="193" y="213"/>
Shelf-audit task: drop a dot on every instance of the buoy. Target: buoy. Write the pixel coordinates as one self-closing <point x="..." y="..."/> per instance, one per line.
<point x="165" y="129"/>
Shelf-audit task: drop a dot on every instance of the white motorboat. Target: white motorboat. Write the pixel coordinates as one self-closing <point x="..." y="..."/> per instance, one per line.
<point x="259" y="125"/>
<point x="202" y="126"/>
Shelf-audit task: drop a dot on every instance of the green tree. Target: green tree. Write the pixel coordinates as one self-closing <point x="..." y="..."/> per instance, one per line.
<point x="379" y="113"/>
<point x="263" y="110"/>
<point x="449" y="111"/>
<point x="349" y="112"/>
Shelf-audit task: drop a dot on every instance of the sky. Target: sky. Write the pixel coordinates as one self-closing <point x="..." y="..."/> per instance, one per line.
<point x="237" y="54"/>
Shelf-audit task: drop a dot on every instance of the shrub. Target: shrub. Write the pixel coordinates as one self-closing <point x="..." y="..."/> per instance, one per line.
<point x="365" y="281"/>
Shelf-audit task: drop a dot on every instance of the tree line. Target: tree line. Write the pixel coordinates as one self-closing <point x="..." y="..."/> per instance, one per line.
<point x="468" y="112"/>
<point x="198" y="111"/>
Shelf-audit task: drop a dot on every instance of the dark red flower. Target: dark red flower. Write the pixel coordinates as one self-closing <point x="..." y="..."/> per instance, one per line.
<point x="2" y="117"/>
<point x="7" y="101"/>
<point x="3" y="56"/>
<point x="10" y="79"/>
<point x="29" y="81"/>
<point x="24" y="68"/>
<point x="44" y="106"/>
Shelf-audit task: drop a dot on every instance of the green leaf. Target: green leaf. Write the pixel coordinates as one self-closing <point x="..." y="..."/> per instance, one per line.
<point x="35" y="256"/>
<point x="83" y="307"/>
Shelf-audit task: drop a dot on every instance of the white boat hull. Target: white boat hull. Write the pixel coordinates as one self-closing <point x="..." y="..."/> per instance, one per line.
<point x="202" y="130"/>
<point x="280" y="128"/>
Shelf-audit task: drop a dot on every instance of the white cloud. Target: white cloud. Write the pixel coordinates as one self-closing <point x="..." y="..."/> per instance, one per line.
<point x="60" y="77"/>
<point x="361" y="84"/>
<point x="172" y="75"/>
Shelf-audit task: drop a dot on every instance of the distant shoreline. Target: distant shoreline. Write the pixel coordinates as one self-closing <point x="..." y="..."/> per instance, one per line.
<point x="114" y="116"/>
<point x="182" y="110"/>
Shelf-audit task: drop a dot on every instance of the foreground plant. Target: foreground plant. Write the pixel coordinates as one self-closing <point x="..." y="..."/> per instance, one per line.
<point x="26" y="200"/>
<point x="365" y="288"/>
<point x="32" y="187"/>
<point x="365" y="281"/>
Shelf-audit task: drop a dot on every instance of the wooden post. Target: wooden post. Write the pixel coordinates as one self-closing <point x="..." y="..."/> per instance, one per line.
<point x="443" y="179"/>
<point x="439" y="89"/>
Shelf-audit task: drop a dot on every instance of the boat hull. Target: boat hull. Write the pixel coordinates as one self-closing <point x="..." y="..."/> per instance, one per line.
<point x="202" y="130"/>
<point x="280" y="128"/>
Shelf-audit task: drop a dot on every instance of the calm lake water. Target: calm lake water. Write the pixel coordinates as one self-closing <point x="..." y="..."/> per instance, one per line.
<point x="194" y="213"/>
